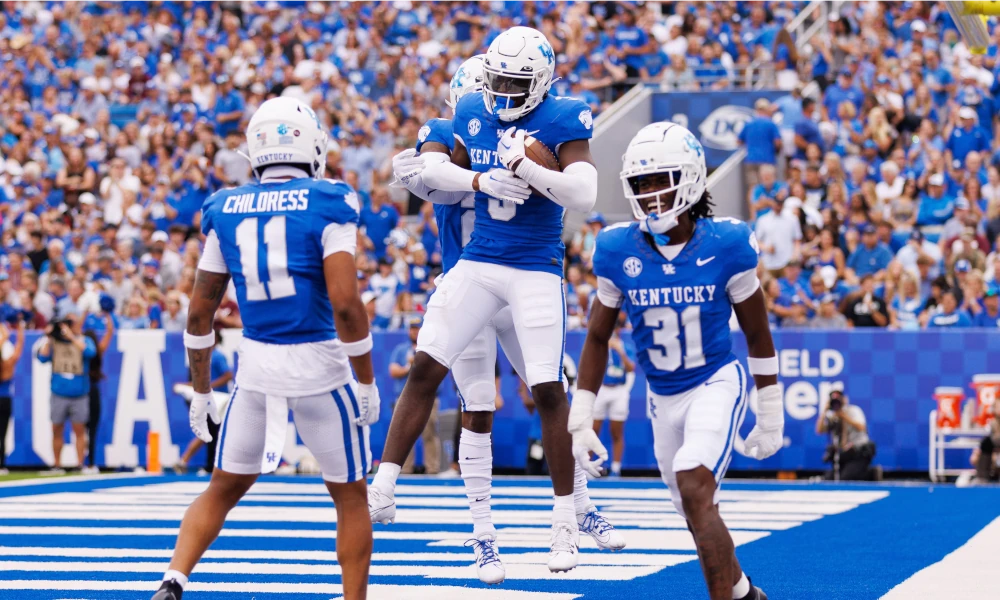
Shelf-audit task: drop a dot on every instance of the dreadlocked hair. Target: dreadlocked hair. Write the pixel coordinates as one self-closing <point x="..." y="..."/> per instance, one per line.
<point x="702" y="209"/>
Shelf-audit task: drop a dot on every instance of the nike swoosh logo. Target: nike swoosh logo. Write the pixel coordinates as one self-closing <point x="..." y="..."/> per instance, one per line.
<point x="702" y="263"/>
<point x="505" y="146"/>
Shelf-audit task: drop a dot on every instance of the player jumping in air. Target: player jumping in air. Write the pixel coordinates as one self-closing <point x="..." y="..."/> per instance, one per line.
<point x="514" y="258"/>
<point x="288" y="242"/>
<point x="474" y="368"/>
<point x="679" y="273"/>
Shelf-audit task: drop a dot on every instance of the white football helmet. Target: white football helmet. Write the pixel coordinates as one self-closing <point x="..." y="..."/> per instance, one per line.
<point x="467" y="79"/>
<point x="664" y="148"/>
<point x="518" y="72"/>
<point x="286" y="131"/>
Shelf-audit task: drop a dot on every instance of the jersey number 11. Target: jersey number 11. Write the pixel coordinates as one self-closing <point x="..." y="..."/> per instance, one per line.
<point x="279" y="283"/>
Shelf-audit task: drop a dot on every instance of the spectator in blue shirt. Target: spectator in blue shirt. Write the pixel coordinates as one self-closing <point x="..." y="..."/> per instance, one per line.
<point x="229" y="106"/>
<point x="761" y="136"/>
<point x="806" y="131"/>
<point x="871" y="257"/>
<point x="949" y="314"/>
<point x="400" y="363"/>
<point x="937" y="78"/>
<point x="768" y="194"/>
<point x="989" y="316"/>
<point x="967" y="138"/>
<point x="632" y="44"/>
<point x="935" y="206"/>
<point x="843" y="90"/>
<point x="70" y="352"/>
<point x="378" y="220"/>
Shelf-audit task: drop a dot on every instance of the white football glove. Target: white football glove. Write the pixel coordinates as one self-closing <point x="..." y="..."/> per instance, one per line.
<point x="585" y="441"/>
<point x="768" y="435"/>
<point x="407" y="165"/>
<point x="511" y="147"/>
<point x="369" y="404"/>
<point x="202" y="409"/>
<point x="504" y="185"/>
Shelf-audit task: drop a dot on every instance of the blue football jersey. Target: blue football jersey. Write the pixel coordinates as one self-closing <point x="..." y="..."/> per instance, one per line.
<point x="679" y="308"/>
<point x="271" y="236"/>
<point x="528" y="236"/>
<point x="454" y="221"/>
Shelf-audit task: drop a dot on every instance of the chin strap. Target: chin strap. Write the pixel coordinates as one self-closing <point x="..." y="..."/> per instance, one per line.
<point x="658" y="226"/>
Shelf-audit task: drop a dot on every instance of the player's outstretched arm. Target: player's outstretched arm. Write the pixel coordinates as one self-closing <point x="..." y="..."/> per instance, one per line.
<point x="351" y="321"/>
<point x="408" y="167"/>
<point x="457" y="176"/>
<point x="768" y="434"/>
<point x="593" y="364"/>
<point x="199" y="339"/>
<point x="575" y="187"/>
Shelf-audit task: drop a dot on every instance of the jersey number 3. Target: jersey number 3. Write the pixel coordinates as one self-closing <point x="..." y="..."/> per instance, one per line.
<point x="279" y="282"/>
<point x="666" y="335"/>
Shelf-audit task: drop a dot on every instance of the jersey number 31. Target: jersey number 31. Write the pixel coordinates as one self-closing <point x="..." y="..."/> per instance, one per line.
<point x="666" y="334"/>
<point x="279" y="283"/>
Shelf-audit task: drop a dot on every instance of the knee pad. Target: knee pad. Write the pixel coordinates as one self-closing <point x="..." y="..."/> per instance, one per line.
<point x="478" y="395"/>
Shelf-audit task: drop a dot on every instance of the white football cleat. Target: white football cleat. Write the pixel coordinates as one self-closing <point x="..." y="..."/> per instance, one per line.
<point x="381" y="507"/>
<point x="489" y="567"/>
<point x="596" y="526"/>
<point x="565" y="546"/>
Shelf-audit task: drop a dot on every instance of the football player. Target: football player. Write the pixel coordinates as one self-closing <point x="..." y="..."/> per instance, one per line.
<point x="514" y="257"/>
<point x="287" y="242"/>
<point x="678" y="274"/>
<point x="474" y="369"/>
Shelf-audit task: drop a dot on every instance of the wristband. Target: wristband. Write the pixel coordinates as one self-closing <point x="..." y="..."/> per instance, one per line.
<point x="763" y="366"/>
<point x="199" y="342"/>
<point x="581" y="411"/>
<point x="358" y="348"/>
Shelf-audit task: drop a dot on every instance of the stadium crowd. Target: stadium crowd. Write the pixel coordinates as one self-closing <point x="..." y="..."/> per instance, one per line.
<point x="875" y="194"/>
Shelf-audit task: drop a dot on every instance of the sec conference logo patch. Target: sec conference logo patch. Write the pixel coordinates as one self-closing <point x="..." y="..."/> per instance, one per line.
<point x="632" y="266"/>
<point x="474" y="127"/>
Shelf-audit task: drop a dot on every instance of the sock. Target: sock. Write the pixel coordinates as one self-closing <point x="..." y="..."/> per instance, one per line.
<point x="742" y="587"/>
<point x="616" y="468"/>
<point x="563" y="511"/>
<point x="475" y="459"/>
<point x="581" y="495"/>
<point x="385" y="478"/>
<point x="177" y="576"/>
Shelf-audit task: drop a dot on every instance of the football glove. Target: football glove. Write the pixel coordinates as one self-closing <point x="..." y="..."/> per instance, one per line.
<point x="767" y="436"/>
<point x="203" y="408"/>
<point x="504" y="185"/>
<point x="407" y="165"/>
<point x="510" y="148"/>
<point x="369" y="404"/>
<point x="585" y="441"/>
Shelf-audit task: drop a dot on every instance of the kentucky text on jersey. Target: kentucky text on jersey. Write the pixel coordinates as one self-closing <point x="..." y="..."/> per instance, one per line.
<point x="273" y="201"/>
<point x="687" y="294"/>
<point x="478" y="156"/>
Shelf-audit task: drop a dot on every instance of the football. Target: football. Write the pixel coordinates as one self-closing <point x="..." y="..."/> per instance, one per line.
<point x="540" y="153"/>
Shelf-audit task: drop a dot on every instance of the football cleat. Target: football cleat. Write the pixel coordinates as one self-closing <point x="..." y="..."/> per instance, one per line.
<point x="169" y="590"/>
<point x="489" y="567"/>
<point x="596" y="526"/>
<point x="755" y="593"/>
<point x="565" y="546"/>
<point x="381" y="507"/>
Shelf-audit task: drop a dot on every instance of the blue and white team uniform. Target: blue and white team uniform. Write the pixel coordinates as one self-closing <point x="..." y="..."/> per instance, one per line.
<point x="272" y="237"/>
<point x="514" y="256"/>
<point x="475" y="368"/>
<point x="616" y="389"/>
<point x="679" y="308"/>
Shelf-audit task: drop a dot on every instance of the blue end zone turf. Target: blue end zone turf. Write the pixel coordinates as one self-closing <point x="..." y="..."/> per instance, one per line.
<point x="112" y="538"/>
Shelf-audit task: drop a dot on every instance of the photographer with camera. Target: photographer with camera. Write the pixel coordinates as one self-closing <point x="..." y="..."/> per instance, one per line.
<point x="10" y="353"/>
<point x="70" y="353"/>
<point x="850" y="451"/>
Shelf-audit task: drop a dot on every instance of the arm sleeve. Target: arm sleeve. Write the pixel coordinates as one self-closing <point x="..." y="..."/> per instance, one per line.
<point x="742" y="285"/>
<point x="448" y="177"/>
<point x="339" y="237"/>
<point x="418" y="187"/>
<point x="574" y="188"/>
<point x="211" y="258"/>
<point x="608" y="293"/>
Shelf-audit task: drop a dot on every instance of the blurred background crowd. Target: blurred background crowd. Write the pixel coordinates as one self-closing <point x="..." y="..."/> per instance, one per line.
<point x="874" y="187"/>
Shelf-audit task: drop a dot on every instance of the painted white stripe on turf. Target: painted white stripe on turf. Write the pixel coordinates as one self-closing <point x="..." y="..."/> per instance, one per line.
<point x="968" y="573"/>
